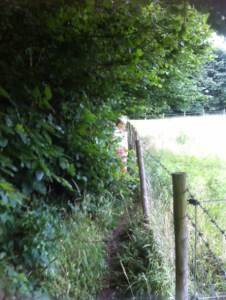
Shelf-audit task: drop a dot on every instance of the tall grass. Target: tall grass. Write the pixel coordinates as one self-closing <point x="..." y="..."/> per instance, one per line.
<point x="140" y="268"/>
<point x="81" y="255"/>
<point x="77" y="266"/>
<point x="206" y="179"/>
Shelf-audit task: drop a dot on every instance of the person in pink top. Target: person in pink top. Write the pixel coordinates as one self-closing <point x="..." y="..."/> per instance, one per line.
<point x="122" y="150"/>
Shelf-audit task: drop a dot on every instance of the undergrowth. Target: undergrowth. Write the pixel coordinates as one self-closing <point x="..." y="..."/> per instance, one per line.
<point x="68" y="264"/>
<point x="139" y="268"/>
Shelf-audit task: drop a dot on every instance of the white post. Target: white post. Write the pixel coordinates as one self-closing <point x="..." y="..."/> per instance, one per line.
<point x="203" y="112"/>
<point x="184" y="113"/>
<point x="223" y="111"/>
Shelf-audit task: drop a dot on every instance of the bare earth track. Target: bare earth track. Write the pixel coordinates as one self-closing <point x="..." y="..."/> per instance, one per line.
<point x="111" y="291"/>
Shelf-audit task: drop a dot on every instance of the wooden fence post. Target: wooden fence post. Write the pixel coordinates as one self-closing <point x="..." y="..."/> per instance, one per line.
<point x="180" y="228"/>
<point x="143" y="187"/>
<point x="134" y="139"/>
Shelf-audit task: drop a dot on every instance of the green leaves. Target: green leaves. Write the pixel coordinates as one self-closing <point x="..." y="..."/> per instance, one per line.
<point x="71" y="69"/>
<point x="139" y="52"/>
<point x="39" y="175"/>
<point x="3" y="142"/>
<point x="48" y="93"/>
<point x="4" y="93"/>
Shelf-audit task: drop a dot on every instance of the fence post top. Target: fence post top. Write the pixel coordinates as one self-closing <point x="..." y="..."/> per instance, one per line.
<point x="137" y="135"/>
<point x="179" y="174"/>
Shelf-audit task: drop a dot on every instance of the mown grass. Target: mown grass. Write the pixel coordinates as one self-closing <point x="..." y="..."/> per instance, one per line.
<point x="206" y="178"/>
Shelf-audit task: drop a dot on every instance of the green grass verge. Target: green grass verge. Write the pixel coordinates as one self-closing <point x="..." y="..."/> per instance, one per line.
<point x="206" y="180"/>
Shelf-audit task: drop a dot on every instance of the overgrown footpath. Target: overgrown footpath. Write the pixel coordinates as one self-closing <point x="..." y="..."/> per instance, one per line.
<point x="135" y="265"/>
<point x="53" y="246"/>
<point x="82" y="250"/>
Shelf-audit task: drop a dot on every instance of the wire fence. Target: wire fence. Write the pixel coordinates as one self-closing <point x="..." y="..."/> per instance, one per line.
<point x="206" y="230"/>
<point x="183" y="114"/>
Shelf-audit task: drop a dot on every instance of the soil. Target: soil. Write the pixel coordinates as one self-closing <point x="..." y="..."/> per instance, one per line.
<point x="111" y="291"/>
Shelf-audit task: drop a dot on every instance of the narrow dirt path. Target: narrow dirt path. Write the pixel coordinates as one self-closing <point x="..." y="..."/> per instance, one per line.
<point x="114" y="247"/>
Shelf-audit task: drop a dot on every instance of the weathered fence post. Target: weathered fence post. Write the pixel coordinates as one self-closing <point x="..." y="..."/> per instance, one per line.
<point x="180" y="228"/>
<point x="143" y="187"/>
<point x="134" y="139"/>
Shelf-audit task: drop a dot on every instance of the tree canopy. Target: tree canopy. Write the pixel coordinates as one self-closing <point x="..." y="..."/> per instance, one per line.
<point x="214" y="11"/>
<point x="213" y="84"/>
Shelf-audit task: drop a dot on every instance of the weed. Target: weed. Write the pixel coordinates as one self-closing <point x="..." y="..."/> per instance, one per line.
<point x="80" y="264"/>
<point x="141" y="263"/>
<point x="182" y="138"/>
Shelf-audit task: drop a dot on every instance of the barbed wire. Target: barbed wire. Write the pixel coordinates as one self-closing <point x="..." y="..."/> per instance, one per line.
<point x="209" y="201"/>
<point x="197" y="203"/>
<point x="203" y="270"/>
<point x="170" y="192"/>
<point x="157" y="161"/>
<point x="196" y="260"/>
<point x="208" y="247"/>
<point x="213" y="297"/>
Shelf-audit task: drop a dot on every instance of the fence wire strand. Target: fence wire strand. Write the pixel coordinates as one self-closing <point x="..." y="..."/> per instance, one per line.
<point x="208" y="247"/>
<point x="203" y="271"/>
<point x="197" y="203"/>
<point x="149" y="154"/>
<point x="165" y="185"/>
<point x="196" y="261"/>
<point x="210" y="201"/>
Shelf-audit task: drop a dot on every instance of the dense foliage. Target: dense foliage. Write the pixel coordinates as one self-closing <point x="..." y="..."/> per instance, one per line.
<point x="213" y="82"/>
<point x="210" y="81"/>
<point x="214" y="10"/>
<point x="67" y="71"/>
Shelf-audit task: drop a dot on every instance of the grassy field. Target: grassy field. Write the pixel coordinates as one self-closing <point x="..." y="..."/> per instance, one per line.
<point x="197" y="146"/>
<point x="199" y="136"/>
